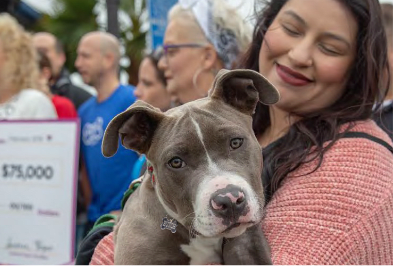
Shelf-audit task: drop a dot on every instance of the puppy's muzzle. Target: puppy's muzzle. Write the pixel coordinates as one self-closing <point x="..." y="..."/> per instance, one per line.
<point x="229" y="204"/>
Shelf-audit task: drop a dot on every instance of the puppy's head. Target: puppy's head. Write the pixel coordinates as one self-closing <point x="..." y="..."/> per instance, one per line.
<point x="207" y="162"/>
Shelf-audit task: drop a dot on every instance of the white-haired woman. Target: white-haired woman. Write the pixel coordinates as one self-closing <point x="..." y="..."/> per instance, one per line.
<point x="202" y="37"/>
<point x="19" y="98"/>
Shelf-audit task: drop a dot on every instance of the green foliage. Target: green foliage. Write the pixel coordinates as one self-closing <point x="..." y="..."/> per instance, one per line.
<point x="71" y="20"/>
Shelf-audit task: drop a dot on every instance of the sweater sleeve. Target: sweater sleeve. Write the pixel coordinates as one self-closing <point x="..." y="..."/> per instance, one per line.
<point x="104" y="253"/>
<point x="339" y="214"/>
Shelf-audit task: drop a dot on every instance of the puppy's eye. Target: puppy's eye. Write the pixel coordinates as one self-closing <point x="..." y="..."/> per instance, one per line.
<point x="236" y="143"/>
<point x="176" y="163"/>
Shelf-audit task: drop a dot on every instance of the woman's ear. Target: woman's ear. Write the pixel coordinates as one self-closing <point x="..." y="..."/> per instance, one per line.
<point x="210" y="57"/>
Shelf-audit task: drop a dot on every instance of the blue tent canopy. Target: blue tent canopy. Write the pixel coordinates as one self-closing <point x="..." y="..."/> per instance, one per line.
<point x="27" y="12"/>
<point x="24" y="13"/>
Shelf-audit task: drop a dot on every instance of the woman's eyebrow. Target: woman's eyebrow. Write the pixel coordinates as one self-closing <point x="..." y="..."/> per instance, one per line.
<point x="337" y="37"/>
<point x="327" y="34"/>
<point x="295" y="16"/>
<point x="147" y="81"/>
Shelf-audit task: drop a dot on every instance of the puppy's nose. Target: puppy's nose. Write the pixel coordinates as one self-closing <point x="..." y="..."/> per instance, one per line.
<point x="229" y="203"/>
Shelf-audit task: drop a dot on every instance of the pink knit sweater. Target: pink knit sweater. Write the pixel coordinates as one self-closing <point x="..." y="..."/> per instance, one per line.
<point x="340" y="214"/>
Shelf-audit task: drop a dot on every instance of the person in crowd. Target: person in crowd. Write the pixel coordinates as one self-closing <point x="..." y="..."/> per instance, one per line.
<point x="151" y="88"/>
<point x="327" y="165"/>
<point x="107" y="178"/>
<point x="64" y="107"/>
<point x="195" y="49"/>
<point x="203" y="46"/>
<point x="60" y="82"/>
<point x="384" y="116"/>
<point x="19" y="97"/>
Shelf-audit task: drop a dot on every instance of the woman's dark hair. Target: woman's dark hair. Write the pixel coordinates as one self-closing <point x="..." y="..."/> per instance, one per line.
<point x="43" y="60"/>
<point x="154" y="57"/>
<point x="367" y="85"/>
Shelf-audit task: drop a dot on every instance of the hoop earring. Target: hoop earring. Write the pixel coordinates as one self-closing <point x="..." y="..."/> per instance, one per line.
<point x="195" y="79"/>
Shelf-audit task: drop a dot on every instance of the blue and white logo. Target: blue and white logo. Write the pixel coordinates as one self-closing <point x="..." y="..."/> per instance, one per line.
<point x="92" y="133"/>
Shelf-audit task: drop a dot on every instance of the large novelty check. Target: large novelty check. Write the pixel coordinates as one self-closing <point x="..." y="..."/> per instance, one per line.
<point x="38" y="178"/>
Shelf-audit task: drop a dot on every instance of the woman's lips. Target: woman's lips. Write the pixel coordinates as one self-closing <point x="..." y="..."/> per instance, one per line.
<point x="291" y="77"/>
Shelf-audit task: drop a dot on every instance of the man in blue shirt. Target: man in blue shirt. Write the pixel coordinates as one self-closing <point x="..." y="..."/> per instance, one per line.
<point x="108" y="178"/>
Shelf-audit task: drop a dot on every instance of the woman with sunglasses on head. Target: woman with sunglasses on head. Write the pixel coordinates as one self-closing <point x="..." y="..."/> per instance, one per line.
<point x="151" y="88"/>
<point x="201" y="38"/>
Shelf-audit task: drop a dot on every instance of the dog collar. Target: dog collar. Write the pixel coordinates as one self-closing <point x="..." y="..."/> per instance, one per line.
<point x="136" y="183"/>
<point x="133" y="186"/>
<point x="150" y="170"/>
<point x="167" y="223"/>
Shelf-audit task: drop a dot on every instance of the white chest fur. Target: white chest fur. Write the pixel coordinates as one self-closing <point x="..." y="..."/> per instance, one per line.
<point x="204" y="251"/>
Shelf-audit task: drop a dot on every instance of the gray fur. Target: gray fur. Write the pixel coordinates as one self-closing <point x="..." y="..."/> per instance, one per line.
<point x="199" y="133"/>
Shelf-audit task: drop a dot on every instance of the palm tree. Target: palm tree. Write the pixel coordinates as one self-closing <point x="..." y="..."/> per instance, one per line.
<point x="112" y="7"/>
<point x="134" y="37"/>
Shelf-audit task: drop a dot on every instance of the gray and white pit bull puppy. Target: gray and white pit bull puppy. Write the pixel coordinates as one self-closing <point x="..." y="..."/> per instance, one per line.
<point x="205" y="185"/>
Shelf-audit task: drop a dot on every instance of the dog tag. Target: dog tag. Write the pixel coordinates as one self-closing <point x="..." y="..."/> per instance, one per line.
<point x="169" y="224"/>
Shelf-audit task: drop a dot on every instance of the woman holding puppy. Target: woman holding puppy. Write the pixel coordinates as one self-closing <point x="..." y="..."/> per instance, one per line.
<point x="327" y="166"/>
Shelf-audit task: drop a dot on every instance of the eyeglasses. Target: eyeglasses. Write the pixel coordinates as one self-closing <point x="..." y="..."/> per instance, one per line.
<point x="170" y="49"/>
<point x="168" y="46"/>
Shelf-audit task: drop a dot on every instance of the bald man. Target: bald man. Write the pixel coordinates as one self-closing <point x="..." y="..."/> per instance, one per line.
<point x="60" y="81"/>
<point x="98" y="63"/>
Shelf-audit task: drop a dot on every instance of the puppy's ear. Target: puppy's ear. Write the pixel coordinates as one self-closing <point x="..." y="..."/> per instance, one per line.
<point x="135" y="127"/>
<point x="243" y="88"/>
